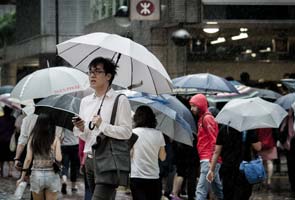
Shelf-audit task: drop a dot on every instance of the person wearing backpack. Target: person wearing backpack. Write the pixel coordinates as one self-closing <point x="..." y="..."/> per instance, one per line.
<point x="268" y="152"/>
<point x="207" y="133"/>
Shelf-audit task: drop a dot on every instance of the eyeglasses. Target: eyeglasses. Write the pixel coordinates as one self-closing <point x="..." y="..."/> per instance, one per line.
<point x="95" y="72"/>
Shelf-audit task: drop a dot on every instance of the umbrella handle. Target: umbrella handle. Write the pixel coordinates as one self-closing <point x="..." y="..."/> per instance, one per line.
<point x="91" y="126"/>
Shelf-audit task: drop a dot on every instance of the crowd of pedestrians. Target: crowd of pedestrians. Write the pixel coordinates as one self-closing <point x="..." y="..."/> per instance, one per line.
<point x="151" y="165"/>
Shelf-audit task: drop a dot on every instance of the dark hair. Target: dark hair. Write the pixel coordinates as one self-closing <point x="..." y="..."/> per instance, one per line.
<point x="244" y="76"/>
<point x="43" y="134"/>
<point x="108" y="66"/>
<point x="144" y="117"/>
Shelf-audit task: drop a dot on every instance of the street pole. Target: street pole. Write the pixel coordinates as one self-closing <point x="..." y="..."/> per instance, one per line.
<point x="56" y="31"/>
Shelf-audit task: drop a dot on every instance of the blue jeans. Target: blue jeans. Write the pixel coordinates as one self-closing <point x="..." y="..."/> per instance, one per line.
<point x="203" y="184"/>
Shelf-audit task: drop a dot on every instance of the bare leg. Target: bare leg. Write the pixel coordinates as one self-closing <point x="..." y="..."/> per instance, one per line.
<point x="10" y="168"/>
<point x="38" y="196"/>
<point x="269" y="168"/>
<point x="177" y="182"/>
<point x="50" y="195"/>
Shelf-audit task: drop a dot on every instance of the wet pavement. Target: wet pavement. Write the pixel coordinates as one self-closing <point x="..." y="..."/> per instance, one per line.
<point x="279" y="190"/>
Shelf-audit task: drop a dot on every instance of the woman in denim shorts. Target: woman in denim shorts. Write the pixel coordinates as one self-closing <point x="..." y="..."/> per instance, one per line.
<point x="44" y="149"/>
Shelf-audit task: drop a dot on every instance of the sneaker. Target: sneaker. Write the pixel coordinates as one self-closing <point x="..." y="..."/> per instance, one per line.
<point x="64" y="188"/>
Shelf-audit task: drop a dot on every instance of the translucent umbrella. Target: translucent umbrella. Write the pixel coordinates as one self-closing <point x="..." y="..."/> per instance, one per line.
<point x="174" y="119"/>
<point x="62" y="107"/>
<point x="286" y="100"/>
<point x="6" y="89"/>
<point x="252" y="113"/>
<point x="139" y="69"/>
<point x="50" y="81"/>
<point x="204" y="82"/>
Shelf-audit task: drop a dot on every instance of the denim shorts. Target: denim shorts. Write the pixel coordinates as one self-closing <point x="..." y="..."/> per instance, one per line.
<point x="44" y="179"/>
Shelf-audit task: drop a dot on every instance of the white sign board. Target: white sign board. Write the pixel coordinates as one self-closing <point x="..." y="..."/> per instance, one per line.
<point x="145" y="9"/>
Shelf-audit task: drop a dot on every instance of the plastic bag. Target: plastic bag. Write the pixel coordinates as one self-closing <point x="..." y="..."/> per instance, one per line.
<point x="20" y="190"/>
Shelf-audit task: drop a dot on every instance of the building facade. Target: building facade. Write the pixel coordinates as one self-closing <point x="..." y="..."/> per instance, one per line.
<point x="268" y="51"/>
<point x="36" y="35"/>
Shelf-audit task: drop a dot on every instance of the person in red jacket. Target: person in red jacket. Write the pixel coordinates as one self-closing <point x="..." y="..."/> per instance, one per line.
<point x="207" y="134"/>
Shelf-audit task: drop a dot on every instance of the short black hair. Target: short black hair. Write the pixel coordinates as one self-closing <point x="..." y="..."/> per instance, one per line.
<point x="145" y="117"/>
<point x="108" y="66"/>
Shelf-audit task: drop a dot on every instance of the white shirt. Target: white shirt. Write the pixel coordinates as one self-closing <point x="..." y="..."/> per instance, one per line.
<point x="89" y="107"/>
<point x="27" y="126"/>
<point x="144" y="161"/>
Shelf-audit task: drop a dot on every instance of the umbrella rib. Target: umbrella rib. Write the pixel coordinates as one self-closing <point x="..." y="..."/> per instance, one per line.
<point x="131" y="71"/>
<point x="69" y="48"/>
<point x="87" y="56"/>
<point x="153" y="80"/>
<point x="115" y="53"/>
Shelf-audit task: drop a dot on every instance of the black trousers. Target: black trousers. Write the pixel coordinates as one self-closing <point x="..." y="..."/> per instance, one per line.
<point x="146" y="189"/>
<point x="70" y="158"/>
<point x="104" y="192"/>
<point x="235" y="185"/>
<point x="290" y="155"/>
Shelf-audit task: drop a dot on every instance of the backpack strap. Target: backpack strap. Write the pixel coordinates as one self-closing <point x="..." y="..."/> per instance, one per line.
<point x="206" y="113"/>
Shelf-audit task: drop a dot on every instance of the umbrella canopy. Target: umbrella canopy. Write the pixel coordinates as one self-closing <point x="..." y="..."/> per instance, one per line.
<point x="252" y="113"/>
<point x="1" y="112"/>
<point x="204" y="82"/>
<point x="267" y="94"/>
<point x="61" y="107"/>
<point x="289" y="83"/>
<point x="5" y="101"/>
<point x="293" y="106"/>
<point x="6" y="89"/>
<point x="244" y="93"/>
<point x="138" y="68"/>
<point x="173" y="118"/>
<point x="286" y="100"/>
<point x="50" y="81"/>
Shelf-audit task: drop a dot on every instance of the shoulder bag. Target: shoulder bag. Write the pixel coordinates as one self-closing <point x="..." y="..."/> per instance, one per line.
<point x="254" y="169"/>
<point x="112" y="157"/>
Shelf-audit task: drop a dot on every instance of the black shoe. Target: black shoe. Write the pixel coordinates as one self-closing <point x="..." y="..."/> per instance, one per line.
<point x="64" y="188"/>
<point x="74" y="190"/>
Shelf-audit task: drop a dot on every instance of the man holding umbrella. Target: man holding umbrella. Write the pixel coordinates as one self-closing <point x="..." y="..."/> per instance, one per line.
<point x="233" y="150"/>
<point x="94" y="127"/>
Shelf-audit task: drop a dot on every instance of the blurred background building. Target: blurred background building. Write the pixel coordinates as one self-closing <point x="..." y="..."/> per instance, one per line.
<point x="188" y="36"/>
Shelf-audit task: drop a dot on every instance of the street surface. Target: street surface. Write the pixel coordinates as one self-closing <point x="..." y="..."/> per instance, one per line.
<point x="279" y="190"/>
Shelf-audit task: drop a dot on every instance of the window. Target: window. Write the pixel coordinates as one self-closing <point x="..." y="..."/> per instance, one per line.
<point x="102" y="9"/>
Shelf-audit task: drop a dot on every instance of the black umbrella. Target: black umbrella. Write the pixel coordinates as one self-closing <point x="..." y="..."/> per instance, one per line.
<point x="61" y="107"/>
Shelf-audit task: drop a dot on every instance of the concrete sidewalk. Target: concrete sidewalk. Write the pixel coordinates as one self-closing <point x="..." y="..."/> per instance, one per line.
<point x="279" y="190"/>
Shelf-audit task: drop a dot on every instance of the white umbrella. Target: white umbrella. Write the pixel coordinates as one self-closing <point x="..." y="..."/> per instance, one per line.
<point x="252" y="113"/>
<point x="139" y="69"/>
<point x="50" y="81"/>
